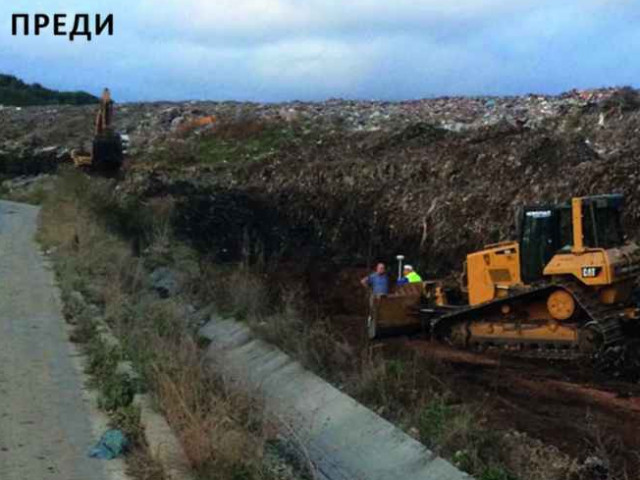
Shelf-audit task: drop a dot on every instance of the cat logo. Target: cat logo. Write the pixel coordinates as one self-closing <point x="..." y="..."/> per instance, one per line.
<point x="590" y="272"/>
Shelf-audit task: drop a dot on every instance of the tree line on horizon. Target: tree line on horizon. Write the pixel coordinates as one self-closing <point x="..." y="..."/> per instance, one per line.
<point x="15" y="92"/>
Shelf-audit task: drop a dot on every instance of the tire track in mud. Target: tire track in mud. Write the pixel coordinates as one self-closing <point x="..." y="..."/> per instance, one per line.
<point x="560" y="403"/>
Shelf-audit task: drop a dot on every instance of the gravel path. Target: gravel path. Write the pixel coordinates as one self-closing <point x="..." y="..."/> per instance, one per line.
<point x="48" y="421"/>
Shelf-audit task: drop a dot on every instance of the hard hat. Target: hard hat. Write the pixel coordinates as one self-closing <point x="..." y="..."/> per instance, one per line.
<point x="408" y="267"/>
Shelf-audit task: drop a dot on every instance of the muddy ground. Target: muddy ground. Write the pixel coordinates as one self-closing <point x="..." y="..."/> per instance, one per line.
<point x="560" y="403"/>
<point x="567" y="404"/>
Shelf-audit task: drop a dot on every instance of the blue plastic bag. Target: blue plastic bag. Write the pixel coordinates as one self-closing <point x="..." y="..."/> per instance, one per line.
<point x="112" y="445"/>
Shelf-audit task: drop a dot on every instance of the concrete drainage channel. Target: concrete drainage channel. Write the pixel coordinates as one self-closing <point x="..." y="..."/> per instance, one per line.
<point x="343" y="439"/>
<point x="163" y="445"/>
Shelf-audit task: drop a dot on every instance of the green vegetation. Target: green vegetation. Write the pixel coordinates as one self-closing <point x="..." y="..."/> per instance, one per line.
<point x="224" y="433"/>
<point x="15" y="92"/>
<point x="496" y="474"/>
<point x="232" y="143"/>
<point x="33" y="194"/>
<point x="234" y="146"/>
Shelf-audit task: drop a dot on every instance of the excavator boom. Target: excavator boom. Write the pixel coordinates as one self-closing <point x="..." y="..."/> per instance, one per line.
<point x="104" y="117"/>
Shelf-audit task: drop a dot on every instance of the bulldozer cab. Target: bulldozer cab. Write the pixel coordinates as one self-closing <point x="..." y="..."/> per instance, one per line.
<point x="602" y="221"/>
<point x="586" y="223"/>
<point x="540" y="229"/>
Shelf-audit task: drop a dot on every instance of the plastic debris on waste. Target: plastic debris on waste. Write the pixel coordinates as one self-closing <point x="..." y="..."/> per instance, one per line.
<point x="112" y="444"/>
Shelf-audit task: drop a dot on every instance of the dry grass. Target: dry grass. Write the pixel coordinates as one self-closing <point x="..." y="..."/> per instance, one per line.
<point x="274" y="312"/>
<point x="247" y="295"/>
<point x="407" y="389"/>
<point x="223" y="432"/>
<point x="33" y="194"/>
<point x="142" y="466"/>
<point x="243" y="128"/>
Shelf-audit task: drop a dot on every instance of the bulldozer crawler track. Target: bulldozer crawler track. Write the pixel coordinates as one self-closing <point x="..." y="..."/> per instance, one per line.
<point x="555" y="354"/>
<point x="605" y="319"/>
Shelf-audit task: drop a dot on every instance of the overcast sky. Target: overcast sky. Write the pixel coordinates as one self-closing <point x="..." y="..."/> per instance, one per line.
<point x="272" y="50"/>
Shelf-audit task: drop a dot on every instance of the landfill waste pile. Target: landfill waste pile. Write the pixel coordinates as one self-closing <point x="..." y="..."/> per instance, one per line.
<point x="352" y="180"/>
<point x="351" y="196"/>
<point x="72" y="126"/>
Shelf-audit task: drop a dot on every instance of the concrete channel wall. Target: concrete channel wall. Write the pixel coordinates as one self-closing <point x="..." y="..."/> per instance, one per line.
<point x="342" y="438"/>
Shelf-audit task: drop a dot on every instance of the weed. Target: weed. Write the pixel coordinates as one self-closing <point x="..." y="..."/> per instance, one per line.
<point x="141" y="465"/>
<point x="127" y="419"/>
<point x="116" y="391"/>
<point x="33" y="195"/>
<point x="494" y="473"/>
<point x="84" y="329"/>
<point x="103" y="359"/>
<point x="223" y="432"/>
<point x="433" y="420"/>
<point x="243" y="141"/>
<point x="236" y="142"/>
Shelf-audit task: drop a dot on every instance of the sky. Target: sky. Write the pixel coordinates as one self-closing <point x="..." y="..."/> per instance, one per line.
<point x="280" y="50"/>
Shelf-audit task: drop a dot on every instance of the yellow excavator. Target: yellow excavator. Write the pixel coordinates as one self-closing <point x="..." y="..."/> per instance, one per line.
<point x="566" y="284"/>
<point x="107" y="155"/>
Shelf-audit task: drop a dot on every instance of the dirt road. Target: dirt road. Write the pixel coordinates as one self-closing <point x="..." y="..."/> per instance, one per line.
<point x="47" y="419"/>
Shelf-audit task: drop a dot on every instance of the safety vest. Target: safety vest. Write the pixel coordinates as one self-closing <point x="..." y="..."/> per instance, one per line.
<point x="413" y="277"/>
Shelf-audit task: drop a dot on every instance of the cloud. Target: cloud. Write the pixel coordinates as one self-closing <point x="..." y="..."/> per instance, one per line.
<point x="340" y="64"/>
<point x="260" y="20"/>
<point x="314" y="49"/>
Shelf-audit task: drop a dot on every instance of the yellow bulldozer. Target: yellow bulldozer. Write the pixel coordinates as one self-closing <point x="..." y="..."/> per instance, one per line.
<point x="106" y="155"/>
<point x="566" y="284"/>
